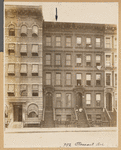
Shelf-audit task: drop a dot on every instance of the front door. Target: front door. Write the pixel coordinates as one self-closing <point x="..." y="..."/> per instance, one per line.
<point x="79" y="103"/>
<point x="109" y="101"/>
<point x="17" y="113"/>
<point x="48" y="101"/>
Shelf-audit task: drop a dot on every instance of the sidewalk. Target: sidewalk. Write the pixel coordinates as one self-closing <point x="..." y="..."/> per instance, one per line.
<point x="42" y="130"/>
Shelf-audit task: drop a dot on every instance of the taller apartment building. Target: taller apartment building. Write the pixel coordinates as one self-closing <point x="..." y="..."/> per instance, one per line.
<point x="58" y="74"/>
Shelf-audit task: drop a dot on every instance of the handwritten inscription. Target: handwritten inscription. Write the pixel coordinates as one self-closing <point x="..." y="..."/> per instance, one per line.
<point x="78" y="144"/>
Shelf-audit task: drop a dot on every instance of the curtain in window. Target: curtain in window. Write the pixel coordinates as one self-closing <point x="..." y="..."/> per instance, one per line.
<point x="98" y="97"/>
<point x="88" y="58"/>
<point x="11" y="88"/>
<point x="78" y="76"/>
<point x="68" y="100"/>
<point x="11" y="69"/>
<point x="78" y="40"/>
<point x="98" y="76"/>
<point x="23" y="48"/>
<point x="35" y="30"/>
<point x="98" y="58"/>
<point x="88" y="77"/>
<point x="34" y="68"/>
<point x="23" y="68"/>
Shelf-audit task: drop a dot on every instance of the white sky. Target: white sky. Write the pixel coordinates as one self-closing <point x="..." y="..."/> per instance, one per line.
<point x="83" y="12"/>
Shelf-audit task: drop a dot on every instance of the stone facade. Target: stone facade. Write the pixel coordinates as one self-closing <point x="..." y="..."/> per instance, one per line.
<point x="59" y="68"/>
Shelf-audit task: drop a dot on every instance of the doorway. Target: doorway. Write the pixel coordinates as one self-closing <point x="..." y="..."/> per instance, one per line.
<point x="48" y="104"/>
<point x="79" y="103"/>
<point x="17" y="113"/>
<point x="109" y="101"/>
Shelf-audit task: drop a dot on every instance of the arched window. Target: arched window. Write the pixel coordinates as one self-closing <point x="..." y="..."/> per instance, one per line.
<point x="34" y="31"/>
<point x="11" y="30"/>
<point x="23" y="30"/>
<point x="32" y="111"/>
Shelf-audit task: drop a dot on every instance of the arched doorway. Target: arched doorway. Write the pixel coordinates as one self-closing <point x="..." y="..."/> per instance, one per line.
<point x="109" y="101"/>
<point x="48" y="104"/>
<point x="79" y="103"/>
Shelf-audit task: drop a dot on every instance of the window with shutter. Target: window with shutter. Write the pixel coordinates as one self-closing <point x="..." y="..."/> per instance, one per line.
<point x="23" y="70"/>
<point x="34" y="70"/>
<point x="34" y="30"/>
<point x="34" y="50"/>
<point x="23" y="50"/>
<point x="11" y="69"/>
<point x="11" y="90"/>
<point x="23" y="30"/>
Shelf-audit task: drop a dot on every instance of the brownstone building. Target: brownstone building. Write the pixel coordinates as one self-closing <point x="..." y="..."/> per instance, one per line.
<point x="59" y="74"/>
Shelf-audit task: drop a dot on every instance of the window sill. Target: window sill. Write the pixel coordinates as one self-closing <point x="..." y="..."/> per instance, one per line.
<point x="68" y="85"/>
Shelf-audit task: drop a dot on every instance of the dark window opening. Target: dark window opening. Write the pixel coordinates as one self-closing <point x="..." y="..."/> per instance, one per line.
<point x="23" y="74"/>
<point x="98" y="82"/>
<point x="89" y="117"/>
<point x="11" y="94"/>
<point x="11" y="32"/>
<point x="88" y="63"/>
<point x="88" y="82"/>
<point x="34" y="74"/>
<point x="35" y="94"/>
<point x="34" y="54"/>
<point x="23" y="54"/>
<point x="78" y="82"/>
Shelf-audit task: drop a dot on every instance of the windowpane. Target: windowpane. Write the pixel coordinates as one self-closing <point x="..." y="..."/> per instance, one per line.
<point x="68" y="60"/>
<point x="98" y="97"/>
<point x="108" y="78"/>
<point x="108" y="42"/>
<point x="98" y="58"/>
<point x="35" y="48"/>
<point x="58" y="41"/>
<point x="58" y="59"/>
<point x="108" y="60"/>
<point x="68" y="79"/>
<point x="58" y="78"/>
<point x="23" y="68"/>
<point x="88" y="76"/>
<point x="78" y="40"/>
<point x="88" y="40"/>
<point x="34" y="68"/>
<point x="97" y="42"/>
<point x="58" y="100"/>
<point x="68" y="100"/>
<point x="48" y="41"/>
<point x="88" y="58"/>
<point x="68" y="42"/>
<point x="88" y="99"/>
<point x="11" y="69"/>
<point x="48" y="59"/>
<point x="48" y="78"/>
<point x="23" y="48"/>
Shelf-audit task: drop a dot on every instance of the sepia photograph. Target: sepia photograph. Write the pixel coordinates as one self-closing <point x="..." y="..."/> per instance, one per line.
<point x="60" y="74"/>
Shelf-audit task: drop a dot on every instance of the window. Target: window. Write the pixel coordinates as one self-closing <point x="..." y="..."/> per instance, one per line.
<point x="23" y="70"/>
<point x="68" y="117"/>
<point x="58" y="100"/>
<point x="68" y="41"/>
<point x="48" y="78"/>
<point x="58" y="117"/>
<point x="68" y="79"/>
<point x="88" y="60"/>
<point x="98" y="79"/>
<point x="98" y="98"/>
<point x="35" y="90"/>
<point x="32" y="111"/>
<point x="34" y="70"/>
<point x="108" y="61"/>
<point x="48" y="59"/>
<point x="68" y="60"/>
<point x="58" y="79"/>
<point x="11" y="30"/>
<point x="115" y="74"/>
<point x="23" y="50"/>
<point x="89" y="117"/>
<point x="11" y="49"/>
<point x="115" y="96"/>
<point x="23" y="90"/>
<point x="88" y="42"/>
<point x="48" y="41"/>
<point x="98" y="60"/>
<point x="115" y="60"/>
<point x="88" y="99"/>
<point x="115" y="42"/>
<point x="78" y="60"/>
<point x="98" y="117"/>
<point x="78" y="79"/>
<point x="11" y="69"/>
<point x="58" y="41"/>
<point x="108" y="79"/>
<point x="11" y="90"/>
<point x="58" y="59"/>
<point x="78" y="41"/>
<point x="97" y="42"/>
<point x="34" y="50"/>
<point x="68" y="100"/>
<point x="88" y="79"/>
<point x="23" y="30"/>
<point x="34" y="30"/>
<point x="108" y="42"/>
